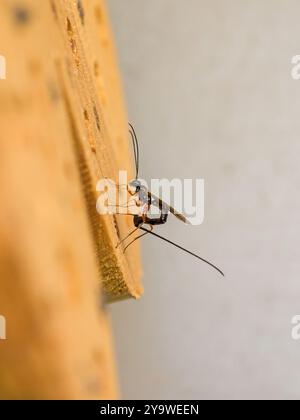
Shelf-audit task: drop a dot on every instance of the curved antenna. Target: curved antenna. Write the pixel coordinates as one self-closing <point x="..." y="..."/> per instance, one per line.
<point x="136" y="149"/>
<point x="135" y="154"/>
<point x="183" y="249"/>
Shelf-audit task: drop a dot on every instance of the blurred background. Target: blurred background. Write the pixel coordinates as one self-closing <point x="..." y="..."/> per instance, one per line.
<point x="208" y="86"/>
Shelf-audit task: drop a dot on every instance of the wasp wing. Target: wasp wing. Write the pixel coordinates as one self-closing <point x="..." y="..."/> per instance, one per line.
<point x="158" y="202"/>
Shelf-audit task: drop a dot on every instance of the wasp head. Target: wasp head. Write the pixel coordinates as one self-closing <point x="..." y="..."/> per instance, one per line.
<point x="135" y="186"/>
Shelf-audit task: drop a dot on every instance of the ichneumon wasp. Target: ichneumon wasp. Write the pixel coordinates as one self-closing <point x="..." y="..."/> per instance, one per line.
<point x="145" y="199"/>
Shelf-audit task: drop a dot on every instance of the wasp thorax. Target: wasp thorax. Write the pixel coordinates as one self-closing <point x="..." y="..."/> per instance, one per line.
<point x="135" y="185"/>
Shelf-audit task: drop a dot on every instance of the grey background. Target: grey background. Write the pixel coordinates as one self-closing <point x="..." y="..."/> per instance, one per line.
<point x="208" y="86"/>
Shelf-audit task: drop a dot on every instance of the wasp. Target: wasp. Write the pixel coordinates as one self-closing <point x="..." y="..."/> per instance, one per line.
<point x="145" y="200"/>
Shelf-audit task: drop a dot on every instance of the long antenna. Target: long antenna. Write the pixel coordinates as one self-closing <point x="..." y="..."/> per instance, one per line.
<point x="136" y="149"/>
<point x="183" y="249"/>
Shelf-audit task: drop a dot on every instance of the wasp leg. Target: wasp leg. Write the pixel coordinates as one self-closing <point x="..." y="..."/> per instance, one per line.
<point x="127" y="206"/>
<point x="121" y="186"/>
<point x="128" y="236"/>
<point x="138" y="237"/>
<point x="121" y="206"/>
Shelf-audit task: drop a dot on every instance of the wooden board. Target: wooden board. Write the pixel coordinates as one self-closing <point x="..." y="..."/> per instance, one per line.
<point x="62" y="127"/>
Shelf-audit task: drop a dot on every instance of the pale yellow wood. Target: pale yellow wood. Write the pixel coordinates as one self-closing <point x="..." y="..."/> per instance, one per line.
<point x="62" y="127"/>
